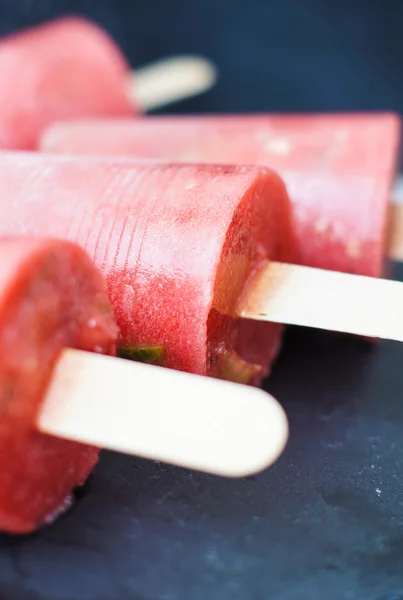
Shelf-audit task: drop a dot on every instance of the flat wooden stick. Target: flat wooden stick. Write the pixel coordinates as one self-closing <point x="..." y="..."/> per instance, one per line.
<point x="322" y="299"/>
<point x="395" y="234"/>
<point x="171" y="80"/>
<point x="192" y="421"/>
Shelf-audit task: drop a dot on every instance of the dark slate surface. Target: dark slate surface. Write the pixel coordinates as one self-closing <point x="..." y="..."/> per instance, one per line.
<point x="327" y="520"/>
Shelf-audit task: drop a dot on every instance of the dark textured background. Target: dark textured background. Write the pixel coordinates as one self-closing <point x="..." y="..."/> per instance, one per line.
<point x="273" y="55"/>
<point x="327" y="520"/>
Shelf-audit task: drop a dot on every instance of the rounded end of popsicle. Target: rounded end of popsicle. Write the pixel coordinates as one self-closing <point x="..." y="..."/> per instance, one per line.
<point x="265" y="435"/>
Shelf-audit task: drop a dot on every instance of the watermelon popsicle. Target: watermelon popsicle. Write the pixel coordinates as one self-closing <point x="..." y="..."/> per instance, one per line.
<point x="51" y="296"/>
<point x="338" y="169"/>
<point x="70" y="68"/>
<point x="176" y="244"/>
<point x="58" y="404"/>
<point x="179" y="245"/>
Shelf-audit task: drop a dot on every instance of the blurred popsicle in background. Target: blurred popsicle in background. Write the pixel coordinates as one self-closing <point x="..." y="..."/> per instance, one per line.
<point x="338" y="169"/>
<point x="70" y="68"/>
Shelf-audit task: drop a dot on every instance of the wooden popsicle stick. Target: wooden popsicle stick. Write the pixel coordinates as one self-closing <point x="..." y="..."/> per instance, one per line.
<point x="170" y="80"/>
<point x="187" y="420"/>
<point x="310" y="297"/>
<point x="395" y="235"/>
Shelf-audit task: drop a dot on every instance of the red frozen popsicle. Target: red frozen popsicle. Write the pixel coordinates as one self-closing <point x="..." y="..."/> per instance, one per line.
<point x="338" y="169"/>
<point x="179" y="245"/>
<point x="70" y="68"/>
<point x="176" y="244"/>
<point x="55" y="401"/>
<point x="51" y="296"/>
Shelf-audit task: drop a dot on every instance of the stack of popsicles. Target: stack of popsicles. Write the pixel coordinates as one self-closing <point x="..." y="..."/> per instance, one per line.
<point x="200" y="257"/>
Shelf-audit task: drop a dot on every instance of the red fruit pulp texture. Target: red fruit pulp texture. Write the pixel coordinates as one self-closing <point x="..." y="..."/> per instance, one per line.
<point x="51" y="297"/>
<point x="176" y="244"/>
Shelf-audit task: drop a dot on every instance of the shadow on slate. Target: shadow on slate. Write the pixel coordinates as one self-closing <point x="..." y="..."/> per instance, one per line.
<point x="325" y="521"/>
